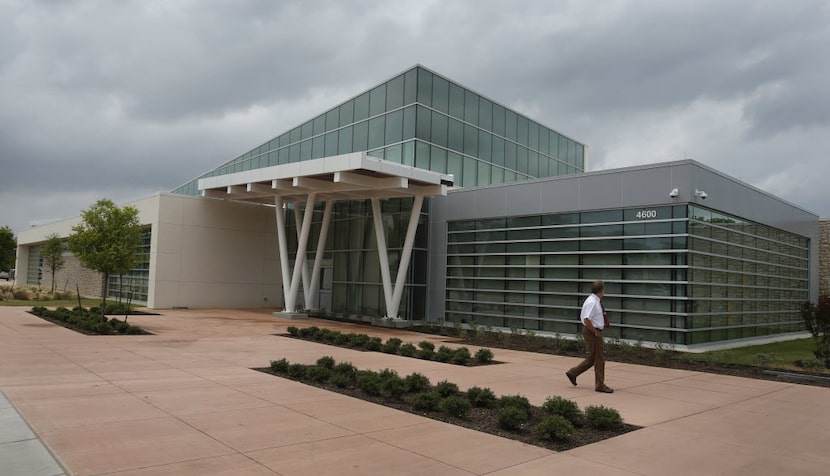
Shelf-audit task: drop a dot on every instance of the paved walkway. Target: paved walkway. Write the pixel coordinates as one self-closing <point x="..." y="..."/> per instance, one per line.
<point x="184" y="401"/>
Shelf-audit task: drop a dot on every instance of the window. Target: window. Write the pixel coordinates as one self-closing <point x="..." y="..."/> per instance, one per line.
<point x="470" y="107"/>
<point x="376" y="131"/>
<point x="456" y="101"/>
<point x="394" y="127"/>
<point x="394" y="93"/>
<point x="377" y="100"/>
<point x="424" y="87"/>
<point x="440" y="94"/>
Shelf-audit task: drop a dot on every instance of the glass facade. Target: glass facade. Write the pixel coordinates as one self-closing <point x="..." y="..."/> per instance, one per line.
<point x="134" y="284"/>
<point x="35" y="269"/>
<point x="421" y="119"/>
<point x="678" y="274"/>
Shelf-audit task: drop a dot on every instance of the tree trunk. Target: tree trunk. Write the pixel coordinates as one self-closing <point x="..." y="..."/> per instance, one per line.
<point x="104" y="288"/>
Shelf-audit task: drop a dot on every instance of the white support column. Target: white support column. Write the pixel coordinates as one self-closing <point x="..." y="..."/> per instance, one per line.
<point x="282" y="240"/>
<point x="318" y="256"/>
<point x="406" y="254"/>
<point x="302" y="244"/>
<point x="299" y="221"/>
<point x="383" y="255"/>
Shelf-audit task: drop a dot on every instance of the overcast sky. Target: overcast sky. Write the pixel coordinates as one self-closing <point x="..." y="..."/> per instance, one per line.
<point x="124" y="99"/>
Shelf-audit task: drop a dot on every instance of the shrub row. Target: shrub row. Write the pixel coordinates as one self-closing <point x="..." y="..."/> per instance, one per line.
<point x="514" y="412"/>
<point x="88" y="320"/>
<point x="425" y="349"/>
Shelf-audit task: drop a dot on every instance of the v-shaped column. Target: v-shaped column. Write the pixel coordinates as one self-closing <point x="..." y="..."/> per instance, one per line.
<point x="392" y="295"/>
<point x="291" y="288"/>
<point x="311" y="288"/>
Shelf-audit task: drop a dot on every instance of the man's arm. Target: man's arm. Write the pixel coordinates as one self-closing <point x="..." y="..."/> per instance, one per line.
<point x="589" y="325"/>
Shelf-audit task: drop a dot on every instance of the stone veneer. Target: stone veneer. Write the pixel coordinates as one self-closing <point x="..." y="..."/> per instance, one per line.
<point x="72" y="273"/>
<point x="824" y="257"/>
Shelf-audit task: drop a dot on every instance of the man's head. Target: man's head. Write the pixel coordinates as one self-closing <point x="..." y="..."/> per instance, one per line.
<point x="598" y="288"/>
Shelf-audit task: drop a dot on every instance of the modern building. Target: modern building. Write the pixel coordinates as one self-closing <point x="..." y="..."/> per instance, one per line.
<point x="423" y="200"/>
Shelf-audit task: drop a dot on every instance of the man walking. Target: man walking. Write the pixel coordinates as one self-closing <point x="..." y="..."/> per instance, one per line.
<point x="594" y="319"/>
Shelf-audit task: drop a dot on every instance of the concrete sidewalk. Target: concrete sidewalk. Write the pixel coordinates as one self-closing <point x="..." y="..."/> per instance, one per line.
<point x="184" y="401"/>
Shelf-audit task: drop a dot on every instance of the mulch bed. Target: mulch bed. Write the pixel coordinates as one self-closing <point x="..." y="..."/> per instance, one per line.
<point x="480" y="419"/>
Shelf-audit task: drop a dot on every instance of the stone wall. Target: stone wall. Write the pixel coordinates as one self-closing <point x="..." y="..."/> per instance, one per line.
<point x="824" y="257"/>
<point x="72" y="273"/>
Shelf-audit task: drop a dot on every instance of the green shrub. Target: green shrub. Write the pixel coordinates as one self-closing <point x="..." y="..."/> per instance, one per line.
<point x="280" y="366"/>
<point x="341" y="380"/>
<point x="554" y="427"/>
<point x="345" y="368"/>
<point x="563" y="407"/>
<point x="374" y="344"/>
<point x="517" y="401"/>
<point x="318" y="373"/>
<point x="457" y="406"/>
<point x="481" y="397"/>
<point x="392" y="345"/>
<point x="305" y="333"/>
<point x="512" y="418"/>
<point x="427" y="401"/>
<point x="296" y="371"/>
<point x="359" y="340"/>
<point x="426" y="350"/>
<point x="391" y="384"/>
<point x="369" y="382"/>
<point x="446" y="389"/>
<point x="292" y="330"/>
<point x="461" y="356"/>
<point x="810" y="364"/>
<point x="326" y="361"/>
<point x="484" y="356"/>
<point x="443" y="354"/>
<point x="342" y="339"/>
<point x="603" y="418"/>
<point x="327" y="335"/>
<point x="416" y="382"/>
<point x="407" y="350"/>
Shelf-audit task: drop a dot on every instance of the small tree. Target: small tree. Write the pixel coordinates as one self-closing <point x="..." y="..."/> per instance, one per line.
<point x="52" y="255"/>
<point x="107" y="241"/>
<point x="817" y="319"/>
<point x="8" y="248"/>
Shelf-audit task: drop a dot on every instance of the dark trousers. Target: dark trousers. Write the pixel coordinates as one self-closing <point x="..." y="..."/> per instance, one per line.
<point x="595" y="359"/>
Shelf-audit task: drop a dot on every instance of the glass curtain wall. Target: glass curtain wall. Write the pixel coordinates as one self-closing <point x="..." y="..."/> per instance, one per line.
<point x="533" y="273"/>
<point x="133" y="285"/>
<point x="357" y="287"/>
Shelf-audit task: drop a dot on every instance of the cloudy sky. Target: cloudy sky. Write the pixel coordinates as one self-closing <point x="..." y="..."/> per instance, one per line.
<point x="121" y="100"/>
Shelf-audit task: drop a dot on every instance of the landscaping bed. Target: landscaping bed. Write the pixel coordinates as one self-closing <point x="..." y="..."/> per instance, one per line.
<point x="87" y="321"/>
<point x="558" y="424"/>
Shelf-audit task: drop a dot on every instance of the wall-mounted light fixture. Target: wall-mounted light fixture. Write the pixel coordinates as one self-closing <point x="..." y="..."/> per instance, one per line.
<point x="701" y="194"/>
<point x="674" y="193"/>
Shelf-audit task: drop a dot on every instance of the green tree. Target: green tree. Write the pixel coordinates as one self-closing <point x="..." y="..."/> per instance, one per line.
<point x="52" y="255"/>
<point x="8" y="248"/>
<point x="107" y="241"/>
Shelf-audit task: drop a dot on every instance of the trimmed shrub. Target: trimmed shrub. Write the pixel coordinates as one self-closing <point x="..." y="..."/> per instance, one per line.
<point x="481" y="397"/>
<point x="296" y="371"/>
<point x="391" y="384"/>
<point x="416" y="382"/>
<point x="392" y="345"/>
<point x="517" y="401"/>
<point x="342" y="339"/>
<point x="345" y="368"/>
<point x="374" y="344"/>
<point x="512" y="418"/>
<point x="484" y="356"/>
<point x="369" y="382"/>
<point x="326" y="361"/>
<point x="461" y="356"/>
<point x="554" y="427"/>
<point x="359" y="340"/>
<point x="446" y="389"/>
<point x="603" y="418"/>
<point x="318" y="373"/>
<point x="293" y="331"/>
<point x="457" y="406"/>
<point x="341" y="380"/>
<point x="443" y="354"/>
<point x="280" y="366"/>
<point x="563" y="407"/>
<point x="427" y="401"/>
<point x="407" y="350"/>
<point x="426" y="350"/>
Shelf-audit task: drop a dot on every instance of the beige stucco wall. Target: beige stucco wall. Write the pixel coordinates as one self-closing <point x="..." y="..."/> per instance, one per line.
<point x="203" y="253"/>
<point x="824" y="257"/>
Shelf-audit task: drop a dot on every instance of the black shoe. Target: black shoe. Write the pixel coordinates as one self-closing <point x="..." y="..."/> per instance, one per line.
<point x="605" y="390"/>
<point x="571" y="378"/>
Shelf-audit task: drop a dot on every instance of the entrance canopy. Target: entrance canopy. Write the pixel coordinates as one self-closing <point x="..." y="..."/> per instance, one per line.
<point x="354" y="176"/>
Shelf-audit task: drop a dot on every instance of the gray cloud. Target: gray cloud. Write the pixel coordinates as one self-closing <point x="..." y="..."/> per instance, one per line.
<point x="126" y="98"/>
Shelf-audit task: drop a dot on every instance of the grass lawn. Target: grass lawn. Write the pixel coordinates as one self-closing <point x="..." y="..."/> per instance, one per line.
<point x="68" y="303"/>
<point x="774" y="355"/>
